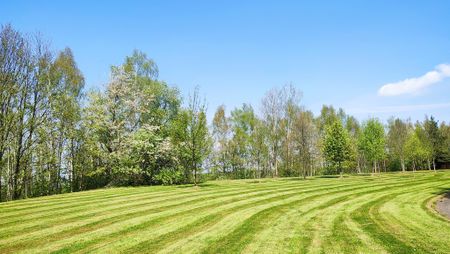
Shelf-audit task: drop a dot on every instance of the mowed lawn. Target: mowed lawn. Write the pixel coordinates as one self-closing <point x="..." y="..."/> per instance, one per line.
<point x="387" y="213"/>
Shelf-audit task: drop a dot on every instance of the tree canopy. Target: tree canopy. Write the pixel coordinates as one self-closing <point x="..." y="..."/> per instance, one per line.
<point x="57" y="136"/>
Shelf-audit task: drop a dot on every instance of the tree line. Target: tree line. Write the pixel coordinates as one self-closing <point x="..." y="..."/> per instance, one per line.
<point x="55" y="137"/>
<point x="288" y="140"/>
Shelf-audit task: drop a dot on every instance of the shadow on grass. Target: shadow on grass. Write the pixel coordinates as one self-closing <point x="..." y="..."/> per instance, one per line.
<point x="255" y="181"/>
<point x="201" y="185"/>
<point x="443" y="191"/>
<point x="299" y="178"/>
<point x="332" y="176"/>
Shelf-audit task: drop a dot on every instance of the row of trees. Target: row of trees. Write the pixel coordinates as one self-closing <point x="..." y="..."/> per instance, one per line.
<point x="287" y="140"/>
<point x="40" y="112"/>
<point x="55" y="137"/>
<point x="283" y="142"/>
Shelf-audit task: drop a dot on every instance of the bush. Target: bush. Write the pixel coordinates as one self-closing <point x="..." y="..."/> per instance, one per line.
<point x="169" y="176"/>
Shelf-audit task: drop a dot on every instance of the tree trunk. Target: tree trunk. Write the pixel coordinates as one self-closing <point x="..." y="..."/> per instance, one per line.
<point x="25" y="182"/>
<point x="402" y="162"/>
<point x="276" y="164"/>
<point x="305" y="170"/>
<point x="434" y="165"/>
<point x="58" y="179"/>
<point x="10" y="180"/>
<point x="16" y="192"/>
<point x="25" y="185"/>
<point x="358" y="166"/>
<point x="1" y="199"/>
<point x="195" y="176"/>
<point x="72" y="161"/>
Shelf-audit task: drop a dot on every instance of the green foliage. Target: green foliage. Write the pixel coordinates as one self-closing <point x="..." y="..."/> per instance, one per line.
<point x="220" y="134"/>
<point x="54" y="138"/>
<point x="131" y="123"/>
<point x="372" y="142"/>
<point x="434" y="138"/>
<point x="396" y="139"/>
<point x="416" y="150"/>
<point x="305" y="139"/>
<point x="242" y="126"/>
<point x="444" y="156"/>
<point x="169" y="176"/>
<point x="139" y="65"/>
<point x="336" y="146"/>
<point x="191" y="135"/>
<point x="148" y="154"/>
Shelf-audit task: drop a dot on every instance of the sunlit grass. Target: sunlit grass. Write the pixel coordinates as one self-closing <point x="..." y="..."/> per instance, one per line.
<point x="386" y="213"/>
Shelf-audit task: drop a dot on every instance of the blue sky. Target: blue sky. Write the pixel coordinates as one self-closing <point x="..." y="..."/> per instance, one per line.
<point x="336" y="52"/>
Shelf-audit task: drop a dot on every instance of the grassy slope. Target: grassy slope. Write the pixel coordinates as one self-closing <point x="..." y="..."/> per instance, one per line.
<point x="365" y="214"/>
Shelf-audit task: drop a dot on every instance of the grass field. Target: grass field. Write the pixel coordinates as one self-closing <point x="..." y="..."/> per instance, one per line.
<point x="388" y="213"/>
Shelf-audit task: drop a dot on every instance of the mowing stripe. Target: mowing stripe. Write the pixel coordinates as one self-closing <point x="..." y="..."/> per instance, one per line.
<point x="129" y="215"/>
<point x="241" y="235"/>
<point x="387" y="213"/>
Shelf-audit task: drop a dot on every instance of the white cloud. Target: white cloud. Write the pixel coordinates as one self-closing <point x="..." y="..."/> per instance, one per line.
<point x="415" y="85"/>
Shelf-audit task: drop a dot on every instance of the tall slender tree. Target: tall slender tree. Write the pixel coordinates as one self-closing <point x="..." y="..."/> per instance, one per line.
<point x="192" y="136"/>
<point x="396" y="139"/>
<point x="373" y="143"/>
<point x="336" y="146"/>
<point x="305" y="137"/>
<point x="434" y="138"/>
<point x="272" y="109"/>
<point x="221" y="133"/>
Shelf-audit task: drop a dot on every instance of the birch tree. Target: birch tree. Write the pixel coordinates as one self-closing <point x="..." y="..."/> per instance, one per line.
<point x="396" y="139"/>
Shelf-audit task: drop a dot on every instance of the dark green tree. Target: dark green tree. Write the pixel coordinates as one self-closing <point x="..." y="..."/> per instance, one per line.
<point x="372" y="142"/>
<point x="191" y="135"/>
<point x="336" y="146"/>
<point x="434" y="137"/>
